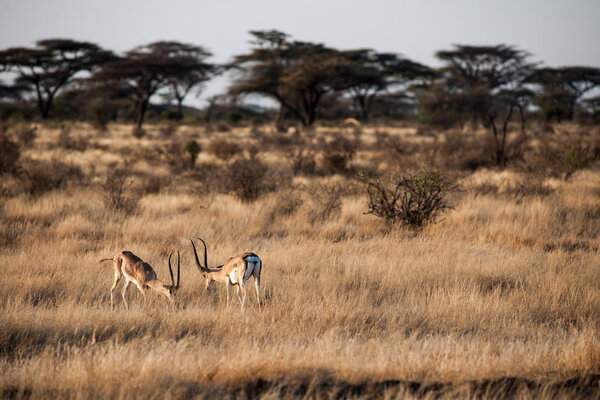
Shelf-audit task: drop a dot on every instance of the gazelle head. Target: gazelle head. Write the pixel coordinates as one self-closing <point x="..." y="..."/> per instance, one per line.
<point x="203" y="268"/>
<point x="173" y="288"/>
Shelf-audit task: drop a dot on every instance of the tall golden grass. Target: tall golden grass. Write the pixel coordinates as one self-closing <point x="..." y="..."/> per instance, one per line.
<point x="504" y="286"/>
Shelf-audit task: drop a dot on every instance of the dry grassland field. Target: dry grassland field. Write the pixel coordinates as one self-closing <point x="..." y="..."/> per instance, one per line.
<point x="498" y="297"/>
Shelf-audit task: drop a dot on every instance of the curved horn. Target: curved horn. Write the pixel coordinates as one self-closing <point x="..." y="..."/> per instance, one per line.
<point x="200" y="267"/>
<point x="178" y="268"/>
<point x="205" y="256"/>
<point x="171" y="271"/>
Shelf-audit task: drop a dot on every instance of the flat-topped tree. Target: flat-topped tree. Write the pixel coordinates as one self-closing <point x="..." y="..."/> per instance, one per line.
<point x="51" y="65"/>
<point x="150" y="68"/>
<point x="293" y="73"/>
<point x="488" y="84"/>
<point x="480" y="72"/>
<point x="12" y="92"/>
<point x="188" y="68"/>
<point x="562" y="88"/>
<point x="261" y="69"/>
<point x="491" y="66"/>
<point x="366" y="73"/>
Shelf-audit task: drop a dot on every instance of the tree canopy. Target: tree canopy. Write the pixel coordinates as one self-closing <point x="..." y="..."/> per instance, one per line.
<point x="51" y="65"/>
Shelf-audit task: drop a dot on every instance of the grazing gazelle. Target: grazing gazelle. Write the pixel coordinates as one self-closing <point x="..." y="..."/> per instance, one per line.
<point x="236" y="271"/>
<point x="142" y="274"/>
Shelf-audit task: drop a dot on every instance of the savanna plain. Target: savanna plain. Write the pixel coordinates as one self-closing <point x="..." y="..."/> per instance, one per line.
<point x="497" y="297"/>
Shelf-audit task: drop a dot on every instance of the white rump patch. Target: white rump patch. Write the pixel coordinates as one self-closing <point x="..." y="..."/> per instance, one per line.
<point x="233" y="278"/>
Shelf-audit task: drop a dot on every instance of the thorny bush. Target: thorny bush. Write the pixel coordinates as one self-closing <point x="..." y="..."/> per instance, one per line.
<point x="412" y="199"/>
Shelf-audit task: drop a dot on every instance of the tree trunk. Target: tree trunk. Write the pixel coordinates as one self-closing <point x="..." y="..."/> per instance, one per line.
<point x="280" y="118"/>
<point x="179" y="109"/>
<point x="142" y="107"/>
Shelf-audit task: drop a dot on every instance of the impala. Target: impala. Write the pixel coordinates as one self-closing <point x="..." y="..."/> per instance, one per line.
<point x="142" y="274"/>
<point x="236" y="271"/>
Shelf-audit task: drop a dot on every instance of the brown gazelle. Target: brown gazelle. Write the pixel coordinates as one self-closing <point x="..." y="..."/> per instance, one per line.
<point x="135" y="270"/>
<point x="236" y="271"/>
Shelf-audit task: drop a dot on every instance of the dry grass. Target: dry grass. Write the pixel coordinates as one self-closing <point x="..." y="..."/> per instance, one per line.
<point x="500" y="298"/>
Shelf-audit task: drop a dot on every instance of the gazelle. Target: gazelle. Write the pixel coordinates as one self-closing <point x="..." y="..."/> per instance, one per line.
<point x="143" y="275"/>
<point x="236" y="271"/>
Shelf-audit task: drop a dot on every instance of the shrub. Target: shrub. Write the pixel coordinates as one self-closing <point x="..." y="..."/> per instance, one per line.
<point x="246" y="178"/>
<point x="117" y="191"/>
<point x="328" y="199"/>
<point x="40" y="176"/>
<point x="10" y="151"/>
<point x="209" y="178"/>
<point x="168" y="130"/>
<point x="303" y="162"/>
<point x="563" y="158"/>
<point x="288" y="201"/>
<point x="576" y="158"/>
<point x="66" y="141"/>
<point x="413" y="199"/>
<point x="192" y="148"/>
<point x="223" y="149"/>
<point x="338" y="154"/>
<point x="172" y="153"/>
<point x="25" y="134"/>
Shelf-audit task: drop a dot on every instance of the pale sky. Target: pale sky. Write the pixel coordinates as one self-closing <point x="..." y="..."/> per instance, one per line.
<point x="556" y="32"/>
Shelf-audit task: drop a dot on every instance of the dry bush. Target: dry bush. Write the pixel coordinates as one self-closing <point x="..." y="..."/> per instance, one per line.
<point x="223" y="149"/>
<point x="465" y="151"/>
<point x="563" y="155"/>
<point x="531" y="187"/>
<point x="10" y="152"/>
<point x="248" y="178"/>
<point x="152" y="184"/>
<point x="412" y="199"/>
<point x="25" y="134"/>
<point x="118" y="192"/>
<point x="327" y="199"/>
<point x="338" y="154"/>
<point x="287" y="201"/>
<point x="68" y="142"/>
<point x="39" y="177"/>
<point x="173" y="154"/>
<point x="278" y="141"/>
<point x="303" y="162"/>
<point x="208" y="179"/>
<point x="168" y="130"/>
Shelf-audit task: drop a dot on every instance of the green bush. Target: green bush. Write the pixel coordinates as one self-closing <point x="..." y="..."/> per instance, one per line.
<point x="192" y="148"/>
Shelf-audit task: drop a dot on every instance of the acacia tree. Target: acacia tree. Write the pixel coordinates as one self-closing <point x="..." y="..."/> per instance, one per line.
<point x="51" y="65"/>
<point x="366" y="73"/>
<point x="562" y="88"/>
<point x="487" y="83"/>
<point x="308" y="79"/>
<point x="476" y="74"/>
<point x="150" y="68"/>
<point x="262" y="68"/>
<point x="189" y="69"/>
<point x="295" y="74"/>
<point x="12" y="92"/>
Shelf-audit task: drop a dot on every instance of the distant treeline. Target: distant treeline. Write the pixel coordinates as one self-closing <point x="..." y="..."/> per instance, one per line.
<point x="308" y="81"/>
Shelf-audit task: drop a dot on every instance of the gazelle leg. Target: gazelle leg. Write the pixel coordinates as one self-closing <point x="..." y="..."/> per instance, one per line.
<point x="243" y="289"/>
<point x="112" y="290"/>
<point x="257" y="286"/>
<point x="228" y="293"/>
<point x="237" y="291"/>
<point x="143" y="292"/>
<point x="124" y="293"/>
